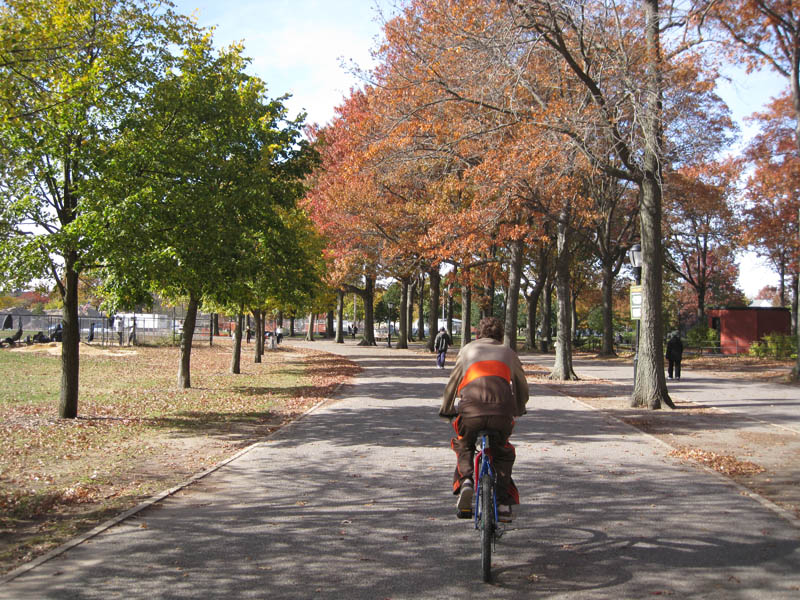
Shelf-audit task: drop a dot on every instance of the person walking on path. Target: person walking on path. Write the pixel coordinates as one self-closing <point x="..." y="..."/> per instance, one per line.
<point x="488" y="377"/>
<point x="441" y="344"/>
<point x="674" y="355"/>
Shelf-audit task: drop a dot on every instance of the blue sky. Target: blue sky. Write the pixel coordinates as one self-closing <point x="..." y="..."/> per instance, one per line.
<point x="297" y="46"/>
<point x="303" y="47"/>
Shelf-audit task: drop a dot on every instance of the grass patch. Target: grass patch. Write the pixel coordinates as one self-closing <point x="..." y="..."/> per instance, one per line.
<point x="136" y="433"/>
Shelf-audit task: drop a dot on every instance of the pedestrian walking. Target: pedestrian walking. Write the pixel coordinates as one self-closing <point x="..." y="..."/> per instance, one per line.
<point x="441" y="344"/>
<point x="674" y="355"/>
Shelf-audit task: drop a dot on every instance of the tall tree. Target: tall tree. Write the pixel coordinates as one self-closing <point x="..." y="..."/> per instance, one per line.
<point x="764" y="33"/>
<point x="700" y="226"/>
<point x="70" y="73"/>
<point x="206" y="154"/>
<point x="591" y="72"/>
<point x="772" y="217"/>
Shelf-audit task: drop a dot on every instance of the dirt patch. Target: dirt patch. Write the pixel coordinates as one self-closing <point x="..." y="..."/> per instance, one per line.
<point x="759" y="456"/>
<point x="54" y="349"/>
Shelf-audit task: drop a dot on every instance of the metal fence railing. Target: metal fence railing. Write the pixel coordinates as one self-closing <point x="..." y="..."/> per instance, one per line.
<point x="124" y="329"/>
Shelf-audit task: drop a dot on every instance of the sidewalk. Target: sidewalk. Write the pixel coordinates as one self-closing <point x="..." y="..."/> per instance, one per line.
<point x="765" y="402"/>
<point x="353" y="502"/>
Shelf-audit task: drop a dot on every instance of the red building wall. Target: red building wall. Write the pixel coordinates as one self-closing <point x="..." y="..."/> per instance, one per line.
<point x="740" y="327"/>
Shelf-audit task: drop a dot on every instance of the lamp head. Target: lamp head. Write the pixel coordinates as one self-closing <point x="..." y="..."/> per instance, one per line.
<point x="636" y="256"/>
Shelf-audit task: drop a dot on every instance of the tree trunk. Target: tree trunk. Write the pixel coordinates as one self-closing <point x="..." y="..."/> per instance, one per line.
<point x="562" y="368"/>
<point x="782" y="289"/>
<point x="450" y="314"/>
<point x="279" y="318"/>
<point x="574" y="316"/>
<point x="236" y="357"/>
<point x="701" y="304"/>
<point x="651" y="386"/>
<point x="184" y="370"/>
<point x="421" y="301"/>
<point x="488" y="303"/>
<point x="368" y="296"/>
<point x="291" y="326"/>
<point x="71" y="337"/>
<point x="796" y="317"/>
<point x="466" y="313"/>
<point x="532" y="301"/>
<point x="410" y="317"/>
<point x="608" y="311"/>
<point x="310" y="327"/>
<point x="258" y="324"/>
<point x="546" y="339"/>
<point x="433" y="315"/>
<point x="402" y="341"/>
<point x="215" y="323"/>
<point x="796" y="286"/>
<point x="340" y="317"/>
<point x="329" y="325"/>
<point x="795" y="291"/>
<point x="512" y="296"/>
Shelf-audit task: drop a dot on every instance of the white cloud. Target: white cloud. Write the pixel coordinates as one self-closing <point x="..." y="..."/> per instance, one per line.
<point x="297" y="46"/>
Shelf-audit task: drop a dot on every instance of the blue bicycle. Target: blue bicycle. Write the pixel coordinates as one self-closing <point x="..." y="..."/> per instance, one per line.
<point x="485" y="510"/>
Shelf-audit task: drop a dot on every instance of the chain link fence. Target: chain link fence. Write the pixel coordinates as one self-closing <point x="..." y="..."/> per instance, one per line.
<point x="121" y="329"/>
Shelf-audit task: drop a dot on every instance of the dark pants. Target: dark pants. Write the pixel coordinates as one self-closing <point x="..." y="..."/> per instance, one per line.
<point x="440" y="358"/>
<point x="674" y="366"/>
<point x="503" y="453"/>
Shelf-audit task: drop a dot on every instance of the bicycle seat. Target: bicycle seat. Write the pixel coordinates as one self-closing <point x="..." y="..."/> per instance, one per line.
<point x="489" y="433"/>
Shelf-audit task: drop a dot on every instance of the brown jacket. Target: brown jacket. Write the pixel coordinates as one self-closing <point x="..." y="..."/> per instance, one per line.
<point x="489" y="378"/>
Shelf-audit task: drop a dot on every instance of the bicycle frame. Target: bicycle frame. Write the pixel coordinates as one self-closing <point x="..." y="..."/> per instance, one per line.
<point x="483" y="466"/>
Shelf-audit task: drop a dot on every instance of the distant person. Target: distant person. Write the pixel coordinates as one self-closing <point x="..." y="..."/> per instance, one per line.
<point x="279" y="334"/>
<point x="355" y="331"/>
<point x="674" y="355"/>
<point x="441" y="344"/>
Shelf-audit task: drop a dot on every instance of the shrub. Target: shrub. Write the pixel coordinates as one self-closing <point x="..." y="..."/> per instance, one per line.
<point x="774" y="345"/>
<point x="702" y="335"/>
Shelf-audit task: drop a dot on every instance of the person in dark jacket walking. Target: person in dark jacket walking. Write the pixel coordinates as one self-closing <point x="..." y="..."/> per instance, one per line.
<point x="441" y="344"/>
<point x="674" y="355"/>
<point x="489" y="379"/>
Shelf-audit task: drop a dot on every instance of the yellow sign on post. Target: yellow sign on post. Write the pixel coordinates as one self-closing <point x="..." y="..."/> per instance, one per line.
<point x="636" y="302"/>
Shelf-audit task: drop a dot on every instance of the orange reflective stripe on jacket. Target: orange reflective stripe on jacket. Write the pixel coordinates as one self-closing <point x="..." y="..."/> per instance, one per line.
<point x="485" y="368"/>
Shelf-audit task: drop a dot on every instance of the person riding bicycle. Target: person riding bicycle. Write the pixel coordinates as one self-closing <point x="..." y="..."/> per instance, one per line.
<point x="490" y="381"/>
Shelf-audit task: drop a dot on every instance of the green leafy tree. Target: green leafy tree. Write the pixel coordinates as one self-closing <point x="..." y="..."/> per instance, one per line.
<point x="203" y="170"/>
<point x="70" y="72"/>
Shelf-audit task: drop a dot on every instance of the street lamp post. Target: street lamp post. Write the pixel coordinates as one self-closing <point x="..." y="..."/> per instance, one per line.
<point x="389" y="320"/>
<point x="636" y="263"/>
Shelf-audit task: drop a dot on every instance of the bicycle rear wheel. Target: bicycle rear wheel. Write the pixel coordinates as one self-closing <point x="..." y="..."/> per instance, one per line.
<point x="487" y="525"/>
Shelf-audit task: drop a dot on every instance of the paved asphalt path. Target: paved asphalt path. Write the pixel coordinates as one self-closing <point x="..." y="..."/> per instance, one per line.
<point x="353" y="502"/>
<point x="763" y="402"/>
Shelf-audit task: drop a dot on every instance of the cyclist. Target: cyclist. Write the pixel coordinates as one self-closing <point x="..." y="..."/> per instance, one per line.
<point x="489" y="379"/>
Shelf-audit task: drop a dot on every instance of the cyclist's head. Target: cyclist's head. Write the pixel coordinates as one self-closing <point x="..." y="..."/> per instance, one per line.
<point x="491" y="327"/>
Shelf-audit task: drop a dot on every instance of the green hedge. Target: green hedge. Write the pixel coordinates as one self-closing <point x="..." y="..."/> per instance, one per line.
<point x="775" y="345"/>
